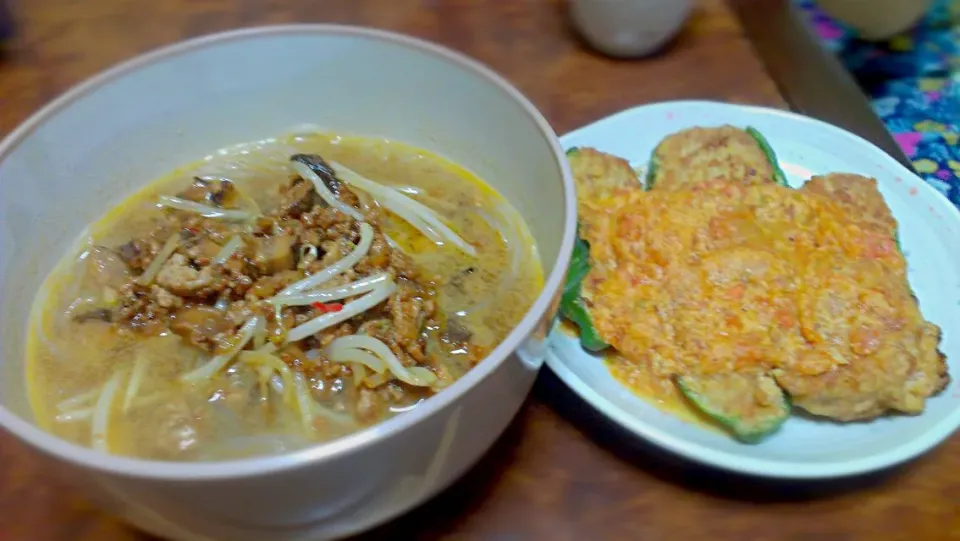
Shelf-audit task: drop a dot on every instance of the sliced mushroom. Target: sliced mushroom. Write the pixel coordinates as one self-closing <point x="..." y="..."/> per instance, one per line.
<point x="217" y="191"/>
<point x="108" y="268"/>
<point x="97" y="314"/>
<point x="275" y="254"/>
<point x="200" y="325"/>
<point x="457" y="333"/>
<point x="321" y="168"/>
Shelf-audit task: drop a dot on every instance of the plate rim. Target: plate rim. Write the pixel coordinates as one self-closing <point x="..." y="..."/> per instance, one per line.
<point x="760" y="467"/>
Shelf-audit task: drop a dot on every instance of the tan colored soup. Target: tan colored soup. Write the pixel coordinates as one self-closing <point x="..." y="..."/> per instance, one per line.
<point x="109" y="350"/>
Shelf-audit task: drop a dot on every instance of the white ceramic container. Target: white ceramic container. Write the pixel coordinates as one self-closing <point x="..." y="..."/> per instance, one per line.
<point x="629" y="28"/>
<point x="90" y="148"/>
<point x="877" y="19"/>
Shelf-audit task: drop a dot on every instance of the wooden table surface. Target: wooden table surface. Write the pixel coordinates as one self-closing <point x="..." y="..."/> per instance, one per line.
<point x="560" y="472"/>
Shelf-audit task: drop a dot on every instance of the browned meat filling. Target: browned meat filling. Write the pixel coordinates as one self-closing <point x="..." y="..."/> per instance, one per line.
<point x="288" y="302"/>
<point x="222" y="273"/>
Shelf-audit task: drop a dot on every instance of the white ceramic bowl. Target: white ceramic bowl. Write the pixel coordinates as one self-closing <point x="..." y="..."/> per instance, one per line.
<point x="629" y="28"/>
<point x="877" y="19"/>
<point x="88" y="149"/>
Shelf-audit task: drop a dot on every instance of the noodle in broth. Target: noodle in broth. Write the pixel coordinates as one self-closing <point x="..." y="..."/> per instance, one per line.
<point x="275" y="295"/>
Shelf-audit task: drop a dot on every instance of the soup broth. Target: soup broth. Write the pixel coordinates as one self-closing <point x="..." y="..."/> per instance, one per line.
<point x="274" y="295"/>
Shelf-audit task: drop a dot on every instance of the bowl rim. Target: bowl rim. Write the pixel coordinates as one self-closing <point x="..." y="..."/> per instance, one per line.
<point x="88" y="458"/>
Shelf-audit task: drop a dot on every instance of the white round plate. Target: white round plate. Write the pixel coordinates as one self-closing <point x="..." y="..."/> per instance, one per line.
<point x="803" y="448"/>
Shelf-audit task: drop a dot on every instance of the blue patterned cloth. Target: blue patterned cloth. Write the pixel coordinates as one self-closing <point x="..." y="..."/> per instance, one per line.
<point x="913" y="81"/>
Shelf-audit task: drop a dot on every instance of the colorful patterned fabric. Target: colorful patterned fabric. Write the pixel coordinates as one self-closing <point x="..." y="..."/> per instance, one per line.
<point x="913" y="81"/>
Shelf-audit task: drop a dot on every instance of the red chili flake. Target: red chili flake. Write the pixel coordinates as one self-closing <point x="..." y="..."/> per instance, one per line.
<point x="332" y="307"/>
<point x="737" y="291"/>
